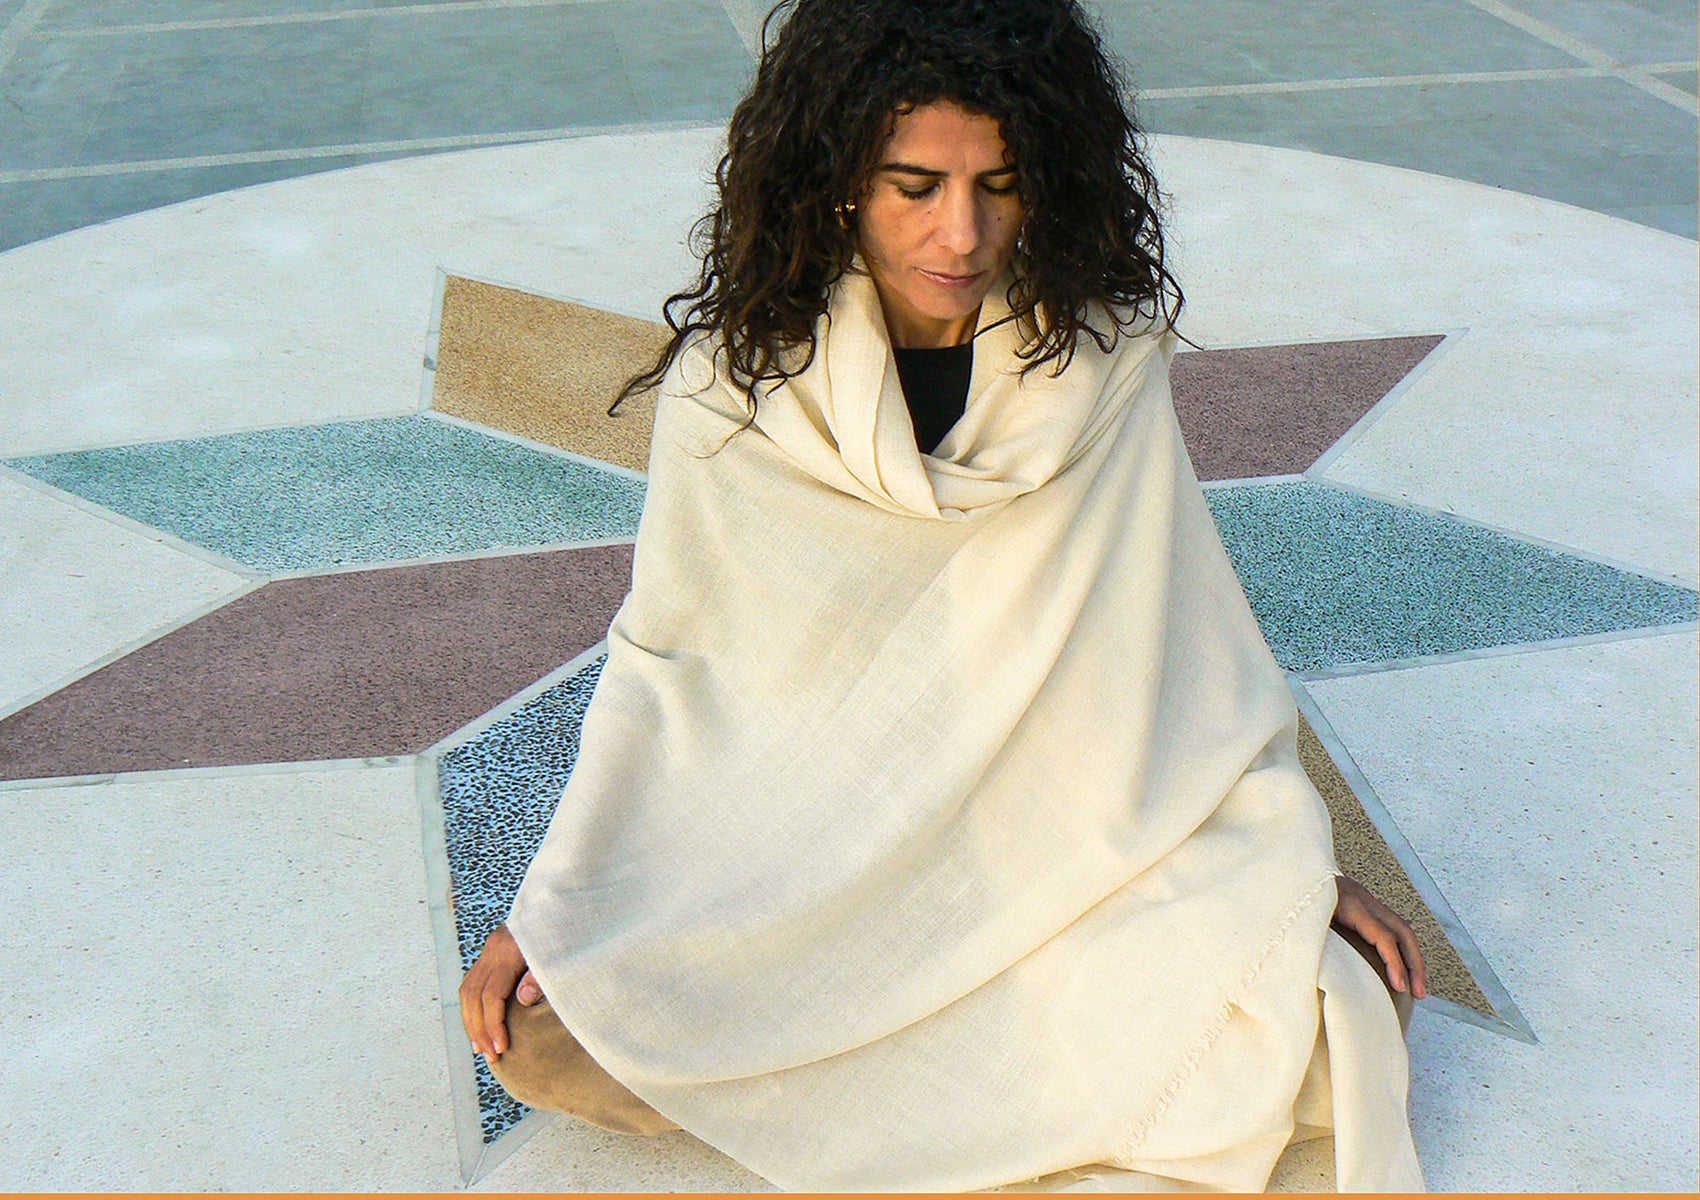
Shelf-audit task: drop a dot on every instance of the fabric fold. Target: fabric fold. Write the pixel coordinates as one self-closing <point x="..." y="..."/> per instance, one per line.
<point x="931" y="808"/>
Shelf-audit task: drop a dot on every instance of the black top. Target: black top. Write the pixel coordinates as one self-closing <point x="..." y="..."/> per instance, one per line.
<point x="935" y="383"/>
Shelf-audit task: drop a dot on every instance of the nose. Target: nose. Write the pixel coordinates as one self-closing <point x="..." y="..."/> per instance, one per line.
<point x="962" y="220"/>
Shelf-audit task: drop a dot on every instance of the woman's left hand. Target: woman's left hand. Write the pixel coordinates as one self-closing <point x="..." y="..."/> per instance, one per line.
<point x="1389" y="933"/>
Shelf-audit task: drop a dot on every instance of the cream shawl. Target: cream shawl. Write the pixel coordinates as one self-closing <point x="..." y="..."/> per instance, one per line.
<point x="938" y="821"/>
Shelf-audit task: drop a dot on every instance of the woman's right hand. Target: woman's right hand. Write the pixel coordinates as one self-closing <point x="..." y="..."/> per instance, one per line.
<point x="500" y="972"/>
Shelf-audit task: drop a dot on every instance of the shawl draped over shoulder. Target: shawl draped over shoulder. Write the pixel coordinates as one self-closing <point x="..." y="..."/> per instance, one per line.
<point x="938" y="821"/>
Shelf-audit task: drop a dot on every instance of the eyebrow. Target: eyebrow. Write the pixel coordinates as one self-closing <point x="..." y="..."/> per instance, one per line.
<point x="902" y="168"/>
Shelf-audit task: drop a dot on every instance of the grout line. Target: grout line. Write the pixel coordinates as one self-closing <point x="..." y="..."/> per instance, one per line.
<point x="1508" y="1019"/>
<point x="1585" y="52"/>
<point x="306" y="18"/>
<point x="1448" y="341"/>
<point x="233" y="431"/>
<point x="230" y="771"/>
<point x="425" y="560"/>
<point x="1319" y="339"/>
<point x="747" y="16"/>
<point x="125" y="649"/>
<point x="1610" y="636"/>
<point x="1550" y="34"/>
<point x="541" y="447"/>
<point x="1660" y="90"/>
<point x="422" y="145"/>
<point x="510" y="1141"/>
<point x="129" y="524"/>
<point x="1608" y="70"/>
<point x="433" y="342"/>
<point x="61" y="781"/>
<point x="21" y="26"/>
<point x="1249" y="481"/>
<point x="546" y="294"/>
<point x="439" y="899"/>
<point x="1466" y="1015"/>
<point x="1447" y="514"/>
<point x="519" y="699"/>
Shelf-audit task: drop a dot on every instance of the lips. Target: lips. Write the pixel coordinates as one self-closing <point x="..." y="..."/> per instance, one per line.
<point x="949" y="281"/>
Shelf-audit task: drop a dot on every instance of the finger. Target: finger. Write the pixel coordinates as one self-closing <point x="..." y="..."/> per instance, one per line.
<point x="529" y="991"/>
<point x="472" y="1014"/>
<point x="1410" y="952"/>
<point x="495" y="1008"/>
<point x="1414" y="957"/>
<point x="1376" y="935"/>
<point x="1387" y="945"/>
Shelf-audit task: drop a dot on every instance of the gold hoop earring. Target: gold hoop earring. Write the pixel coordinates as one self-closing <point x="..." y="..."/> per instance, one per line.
<point x="847" y="214"/>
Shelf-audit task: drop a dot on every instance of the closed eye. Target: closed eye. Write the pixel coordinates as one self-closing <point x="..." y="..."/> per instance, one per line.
<point x="991" y="189"/>
<point x="917" y="182"/>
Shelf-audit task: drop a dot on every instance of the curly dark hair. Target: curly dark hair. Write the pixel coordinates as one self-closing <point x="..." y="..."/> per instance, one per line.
<point x="808" y="137"/>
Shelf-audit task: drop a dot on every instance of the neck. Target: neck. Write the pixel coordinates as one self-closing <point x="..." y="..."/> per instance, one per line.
<point x="912" y="332"/>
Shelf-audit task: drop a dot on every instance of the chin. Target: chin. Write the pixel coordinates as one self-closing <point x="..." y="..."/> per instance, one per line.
<point x="953" y="306"/>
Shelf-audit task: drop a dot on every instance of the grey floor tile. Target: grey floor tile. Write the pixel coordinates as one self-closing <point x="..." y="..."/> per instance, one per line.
<point x="1688" y="81"/>
<point x="1214" y="42"/>
<point x="31" y="211"/>
<point x="49" y="91"/>
<point x="496" y="70"/>
<point x="114" y="14"/>
<point x="543" y="68"/>
<point x="1598" y="143"/>
<point x="128" y="96"/>
<point x="137" y="97"/>
<point x="8" y="10"/>
<point x="111" y="14"/>
<point x="685" y="56"/>
<point x="144" y="96"/>
<point x="1631" y="31"/>
<point x="1672" y="218"/>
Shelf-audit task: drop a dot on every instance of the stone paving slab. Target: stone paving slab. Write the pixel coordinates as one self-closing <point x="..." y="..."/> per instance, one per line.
<point x="1552" y="795"/>
<point x="237" y="993"/>
<point x="1215" y="42"/>
<point x="1596" y="143"/>
<point x="1631" y="31"/>
<point x="76" y="587"/>
<point x="162" y="95"/>
<point x="91" y="83"/>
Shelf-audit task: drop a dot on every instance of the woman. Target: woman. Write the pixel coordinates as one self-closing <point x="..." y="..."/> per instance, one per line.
<point x="938" y="821"/>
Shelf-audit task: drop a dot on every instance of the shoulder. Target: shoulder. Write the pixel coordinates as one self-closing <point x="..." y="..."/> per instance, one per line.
<point x="1137" y="331"/>
<point x="1123" y="342"/>
<point x="699" y="383"/>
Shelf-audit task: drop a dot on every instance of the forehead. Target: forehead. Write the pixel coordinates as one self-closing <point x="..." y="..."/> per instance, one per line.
<point x="944" y="136"/>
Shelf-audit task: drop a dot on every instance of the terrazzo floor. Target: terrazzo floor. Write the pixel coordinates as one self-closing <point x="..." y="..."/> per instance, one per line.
<point x="358" y="664"/>
<point x="311" y="524"/>
<point x="320" y="496"/>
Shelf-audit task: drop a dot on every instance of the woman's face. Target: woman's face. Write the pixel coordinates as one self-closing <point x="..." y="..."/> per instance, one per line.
<point x="939" y="222"/>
